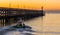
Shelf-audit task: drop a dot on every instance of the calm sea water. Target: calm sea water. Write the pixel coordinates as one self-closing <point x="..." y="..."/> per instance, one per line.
<point x="46" y="25"/>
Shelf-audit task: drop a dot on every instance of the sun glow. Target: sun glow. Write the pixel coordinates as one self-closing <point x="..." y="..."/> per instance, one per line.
<point x="32" y="4"/>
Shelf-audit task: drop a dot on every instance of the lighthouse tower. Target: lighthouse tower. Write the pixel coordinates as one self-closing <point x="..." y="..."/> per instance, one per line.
<point x="42" y="8"/>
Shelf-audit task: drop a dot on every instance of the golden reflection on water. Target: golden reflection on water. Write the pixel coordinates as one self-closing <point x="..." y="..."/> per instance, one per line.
<point x="50" y="23"/>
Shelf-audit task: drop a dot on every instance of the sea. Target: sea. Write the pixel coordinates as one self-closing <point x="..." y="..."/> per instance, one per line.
<point x="45" y="25"/>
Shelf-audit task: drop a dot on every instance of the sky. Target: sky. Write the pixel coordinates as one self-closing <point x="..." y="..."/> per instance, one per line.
<point x="31" y="4"/>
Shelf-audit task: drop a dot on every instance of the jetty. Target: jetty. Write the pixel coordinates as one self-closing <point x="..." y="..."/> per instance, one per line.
<point x="9" y="16"/>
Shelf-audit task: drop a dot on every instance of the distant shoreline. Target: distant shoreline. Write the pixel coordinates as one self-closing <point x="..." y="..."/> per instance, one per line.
<point x="52" y="11"/>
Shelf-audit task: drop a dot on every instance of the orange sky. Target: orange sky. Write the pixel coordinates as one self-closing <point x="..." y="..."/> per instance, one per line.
<point x="29" y="4"/>
<point x="52" y="4"/>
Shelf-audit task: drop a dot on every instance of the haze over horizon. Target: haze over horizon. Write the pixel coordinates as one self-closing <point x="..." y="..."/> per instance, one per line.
<point x="32" y="4"/>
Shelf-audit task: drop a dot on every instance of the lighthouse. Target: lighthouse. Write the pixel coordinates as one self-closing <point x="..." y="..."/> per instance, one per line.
<point x="42" y="10"/>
